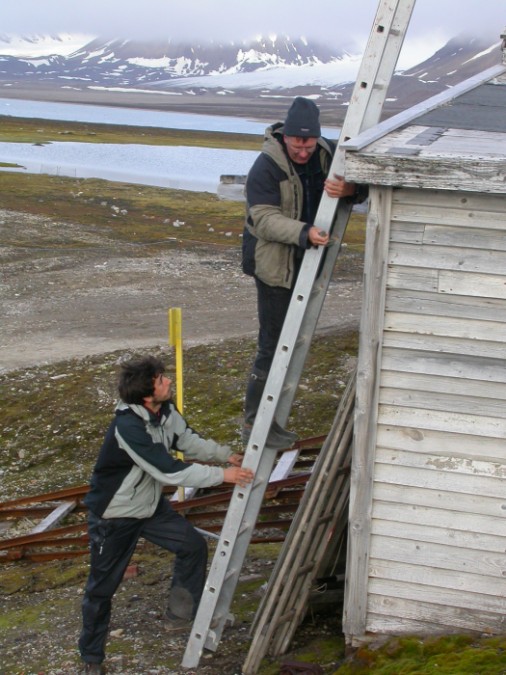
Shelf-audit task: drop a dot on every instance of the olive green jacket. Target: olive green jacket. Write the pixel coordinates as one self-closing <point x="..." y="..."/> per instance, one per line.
<point x="273" y="231"/>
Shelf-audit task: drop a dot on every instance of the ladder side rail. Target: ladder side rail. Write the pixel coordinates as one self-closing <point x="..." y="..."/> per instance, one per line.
<point x="215" y="605"/>
<point x="377" y="67"/>
<point x="231" y="549"/>
<point x="250" y="498"/>
<point x="300" y="324"/>
<point x="298" y="315"/>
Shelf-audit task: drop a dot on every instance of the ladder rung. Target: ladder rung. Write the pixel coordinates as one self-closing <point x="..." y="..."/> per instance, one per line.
<point x="305" y="569"/>
<point x="287" y="616"/>
<point x="247" y="527"/>
<point x="324" y="519"/>
<point x="231" y="573"/>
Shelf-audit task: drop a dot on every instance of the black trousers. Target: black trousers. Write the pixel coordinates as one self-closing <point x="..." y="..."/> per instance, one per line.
<point x="272" y="304"/>
<point x="112" y="543"/>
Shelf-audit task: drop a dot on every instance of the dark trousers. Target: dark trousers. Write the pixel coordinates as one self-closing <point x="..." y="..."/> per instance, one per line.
<point x="112" y="543"/>
<point x="273" y="303"/>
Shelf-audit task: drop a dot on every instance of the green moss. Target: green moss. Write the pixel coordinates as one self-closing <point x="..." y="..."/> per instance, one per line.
<point x="24" y="576"/>
<point x="29" y="618"/>
<point x="123" y="212"/>
<point x="449" y="655"/>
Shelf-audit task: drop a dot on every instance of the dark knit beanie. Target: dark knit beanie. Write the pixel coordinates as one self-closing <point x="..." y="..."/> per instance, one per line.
<point x="303" y="119"/>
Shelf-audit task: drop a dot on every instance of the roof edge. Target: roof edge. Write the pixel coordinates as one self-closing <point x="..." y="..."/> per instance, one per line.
<point x="392" y="123"/>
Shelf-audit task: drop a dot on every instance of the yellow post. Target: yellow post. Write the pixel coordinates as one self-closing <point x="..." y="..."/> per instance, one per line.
<point x="176" y="341"/>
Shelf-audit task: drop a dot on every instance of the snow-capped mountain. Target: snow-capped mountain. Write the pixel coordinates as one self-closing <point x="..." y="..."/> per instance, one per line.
<point x="33" y="46"/>
<point x="130" y="63"/>
<point x="461" y="58"/>
<point x="266" y="67"/>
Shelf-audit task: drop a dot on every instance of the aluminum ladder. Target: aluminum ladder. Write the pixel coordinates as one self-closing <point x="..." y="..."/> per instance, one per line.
<point x="376" y="70"/>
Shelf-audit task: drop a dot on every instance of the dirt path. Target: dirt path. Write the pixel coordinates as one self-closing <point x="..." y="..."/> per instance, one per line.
<point x="105" y="296"/>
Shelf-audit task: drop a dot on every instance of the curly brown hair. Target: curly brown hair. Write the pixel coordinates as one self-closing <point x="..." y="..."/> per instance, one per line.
<point x="137" y="376"/>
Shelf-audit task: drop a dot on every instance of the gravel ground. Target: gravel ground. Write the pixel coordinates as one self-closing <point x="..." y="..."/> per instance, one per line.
<point x="44" y="628"/>
<point x="103" y="296"/>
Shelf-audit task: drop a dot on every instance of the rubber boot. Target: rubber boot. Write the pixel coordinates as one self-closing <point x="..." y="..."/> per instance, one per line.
<point x="278" y="438"/>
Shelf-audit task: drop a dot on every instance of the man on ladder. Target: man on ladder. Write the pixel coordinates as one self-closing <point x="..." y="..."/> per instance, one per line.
<point x="283" y="191"/>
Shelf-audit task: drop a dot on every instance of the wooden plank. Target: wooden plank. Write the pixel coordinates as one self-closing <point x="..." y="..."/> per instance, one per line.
<point x="61" y="510"/>
<point x="450" y="327"/>
<point x="431" y="206"/>
<point x="442" y="481"/>
<point x="456" y="599"/>
<point x="413" y="278"/>
<point x="415" y="496"/>
<point x="453" y="520"/>
<point x="480" y="285"/>
<point x="449" y="365"/>
<point x="433" y="617"/>
<point x="469" y="466"/>
<point x="441" y="384"/>
<point x="422" y="171"/>
<point x="455" y="258"/>
<point x="455" y="444"/>
<point x="470" y="404"/>
<point x="429" y="576"/>
<point x="284" y="465"/>
<point x="442" y="557"/>
<point x="471" y="210"/>
<point x="436" y="534"/>
<point x="369" y="360"/>
<point x="442" y="421"/>
<point x="441" y="303"/>
<point x="470" y="237"/>
<point x="386" y="625"/>
<point x="407" y="232"/>
<point x="447" y="344"/>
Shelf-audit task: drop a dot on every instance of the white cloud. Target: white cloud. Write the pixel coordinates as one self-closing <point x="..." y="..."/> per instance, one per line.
<point x="332" y="21"/>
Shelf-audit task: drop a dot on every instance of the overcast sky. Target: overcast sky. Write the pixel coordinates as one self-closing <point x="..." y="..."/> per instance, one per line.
<point x="341" y="21"/>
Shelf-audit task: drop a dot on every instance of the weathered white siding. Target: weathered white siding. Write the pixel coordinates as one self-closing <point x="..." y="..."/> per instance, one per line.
<point x="428" y="502"/>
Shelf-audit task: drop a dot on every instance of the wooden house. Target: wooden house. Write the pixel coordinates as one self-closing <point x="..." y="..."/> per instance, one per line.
<point x="427" y="525"/>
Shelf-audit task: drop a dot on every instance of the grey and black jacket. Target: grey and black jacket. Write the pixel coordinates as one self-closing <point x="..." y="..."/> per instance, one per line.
<point x="280" y="209"/>
<point x="136" y="461"/>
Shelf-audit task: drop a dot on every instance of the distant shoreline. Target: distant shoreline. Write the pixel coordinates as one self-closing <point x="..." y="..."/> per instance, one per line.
<point x="268" y="109"/>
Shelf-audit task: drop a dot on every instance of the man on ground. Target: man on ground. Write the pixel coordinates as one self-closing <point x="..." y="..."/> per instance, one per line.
<point x="126" y="502"/>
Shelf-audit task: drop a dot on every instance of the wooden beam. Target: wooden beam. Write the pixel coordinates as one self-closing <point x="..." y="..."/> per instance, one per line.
<point x="50" y="521"/>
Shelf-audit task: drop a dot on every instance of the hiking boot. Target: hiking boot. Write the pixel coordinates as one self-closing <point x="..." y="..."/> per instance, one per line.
<point x="175" y="624"/>
<point x="93" y="669"/>
<point x="283" y="434"/>
<point x="278" y="438"/>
